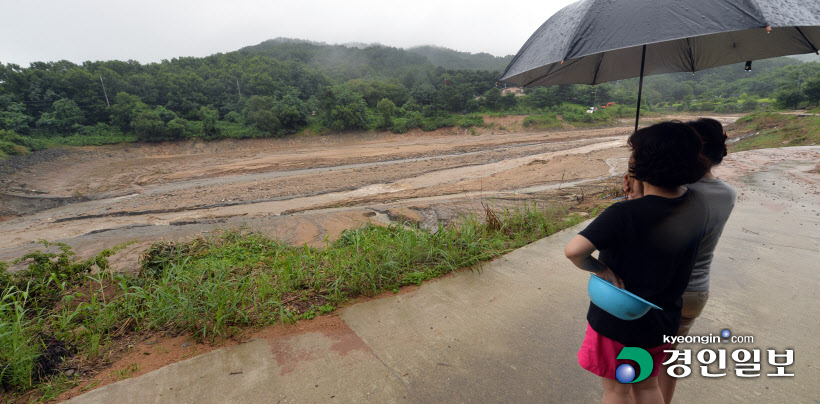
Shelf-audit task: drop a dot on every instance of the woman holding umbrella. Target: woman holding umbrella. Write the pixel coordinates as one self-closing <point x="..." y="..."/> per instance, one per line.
<point x="720" y="200"/>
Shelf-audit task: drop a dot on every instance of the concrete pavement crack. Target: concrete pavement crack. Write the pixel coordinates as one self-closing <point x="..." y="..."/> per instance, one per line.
<point x="392" y="371"/>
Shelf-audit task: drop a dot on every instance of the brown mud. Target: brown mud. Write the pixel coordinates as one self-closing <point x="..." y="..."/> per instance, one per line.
<point x="304" y="189"/>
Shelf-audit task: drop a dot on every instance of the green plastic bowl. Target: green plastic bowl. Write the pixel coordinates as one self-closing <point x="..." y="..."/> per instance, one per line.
<point x="618" y="302"/>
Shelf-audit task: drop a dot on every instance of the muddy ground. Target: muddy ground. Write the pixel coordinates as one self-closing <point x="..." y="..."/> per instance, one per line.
<point x="305" y="189"/>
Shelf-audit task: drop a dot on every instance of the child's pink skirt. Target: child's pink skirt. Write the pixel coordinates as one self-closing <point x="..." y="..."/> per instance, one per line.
<point x="598" y="353"/>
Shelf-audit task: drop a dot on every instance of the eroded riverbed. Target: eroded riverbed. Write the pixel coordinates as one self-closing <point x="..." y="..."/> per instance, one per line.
<point x="301" y="190"/>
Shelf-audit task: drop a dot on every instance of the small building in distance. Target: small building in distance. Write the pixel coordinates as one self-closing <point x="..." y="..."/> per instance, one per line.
<point x="518" y="91"/>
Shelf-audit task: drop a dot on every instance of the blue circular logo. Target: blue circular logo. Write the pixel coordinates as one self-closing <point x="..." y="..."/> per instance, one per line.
<point x="625" y="373"/>
<point x="725" y="333"/>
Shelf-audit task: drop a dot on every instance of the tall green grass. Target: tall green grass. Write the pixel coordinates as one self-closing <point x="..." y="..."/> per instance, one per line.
<point x="19" y="349"/>
<point x="773" y="129"/>
<point x="213" y="287"/>
<point x="543" y="121"/>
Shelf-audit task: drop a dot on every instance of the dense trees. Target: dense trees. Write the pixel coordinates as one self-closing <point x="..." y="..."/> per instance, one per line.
<point x="62" y="117"/>
<point x="812" y="90"/>
<point x="259" y="111"/>
<point x="12" y="115"/>
<point x="787" y="98"/>
<point x="125" y="109"/>
<point x="343" y="108"/>
<point x="386" y="108"/>
<point x="280" y="87"/>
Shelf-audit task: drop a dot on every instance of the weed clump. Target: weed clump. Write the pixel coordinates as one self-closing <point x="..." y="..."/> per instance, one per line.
<point x="33" y="337"/>
<point x="154" y="260"/>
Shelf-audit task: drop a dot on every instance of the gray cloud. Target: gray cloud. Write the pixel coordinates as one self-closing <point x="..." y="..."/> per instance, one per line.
<point x="152" y="30"/>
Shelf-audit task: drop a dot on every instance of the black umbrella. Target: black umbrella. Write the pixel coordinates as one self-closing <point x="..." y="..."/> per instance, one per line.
<point x="595" y="41"/>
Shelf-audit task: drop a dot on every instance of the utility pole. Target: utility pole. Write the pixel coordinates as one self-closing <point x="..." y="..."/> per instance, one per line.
<point x="106" y="94"/>
<point x="594" y="98"/>
<point x="238" y="90"/>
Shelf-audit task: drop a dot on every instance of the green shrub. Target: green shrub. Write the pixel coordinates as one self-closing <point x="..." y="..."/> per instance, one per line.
<point x="749" y="104"/>
<point x="399" y="125"/>
<point x="414" y="119"/>
<point x="233" y="130"/>
<point x="234" y="117"/>
<point x="624" y="111"/>
<point x="575" y="113"/>
<point x="543" y="121"/>
<point x="11" y="149"/>
<point x="96" y="135"/>
<point x="29" y="143"/>
<point x="471" y="120"/>
<point x="430" y="125"/>
<point x="726" y="108"/>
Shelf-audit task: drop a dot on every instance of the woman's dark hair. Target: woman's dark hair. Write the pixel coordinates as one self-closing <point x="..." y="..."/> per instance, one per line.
<point x="667" y="155"/>
<point x="713" y="138"/>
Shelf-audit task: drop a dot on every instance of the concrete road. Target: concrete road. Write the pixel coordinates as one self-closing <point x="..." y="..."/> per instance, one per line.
<point x="510" y="332"/>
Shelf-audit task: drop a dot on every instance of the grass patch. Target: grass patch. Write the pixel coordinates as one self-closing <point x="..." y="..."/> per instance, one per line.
<point x="576" y="116"/>
<point x="770" y="129"/>
<point x="543" y="121"/>
<point x="214" y="287"/>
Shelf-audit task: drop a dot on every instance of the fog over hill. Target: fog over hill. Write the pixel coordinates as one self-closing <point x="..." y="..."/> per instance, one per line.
<point x="321" y="53"/>
<point x="452" y="59"/>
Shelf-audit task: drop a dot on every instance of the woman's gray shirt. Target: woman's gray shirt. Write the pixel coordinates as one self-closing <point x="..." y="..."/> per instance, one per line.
<point x="720" y="200"/>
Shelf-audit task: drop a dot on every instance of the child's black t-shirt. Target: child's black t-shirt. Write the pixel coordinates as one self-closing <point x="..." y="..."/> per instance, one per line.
<point x="651" y="243"/>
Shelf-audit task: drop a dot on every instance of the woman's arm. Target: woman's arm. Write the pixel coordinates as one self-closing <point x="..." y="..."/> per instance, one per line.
<point x="579" y="250"/>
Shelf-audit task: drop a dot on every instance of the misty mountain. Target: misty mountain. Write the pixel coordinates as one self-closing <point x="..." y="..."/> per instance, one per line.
<point x="808" y="57"/>
<point x="339" y="61"/>
<point x="360" y="59"/>
<point x="452" y="59"/>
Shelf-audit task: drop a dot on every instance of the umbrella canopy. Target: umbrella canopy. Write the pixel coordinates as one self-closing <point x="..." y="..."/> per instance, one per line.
<point x="595" y="41"/>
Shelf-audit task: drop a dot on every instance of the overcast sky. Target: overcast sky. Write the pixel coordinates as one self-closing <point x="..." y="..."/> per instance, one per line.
<point x="152" y="30"/>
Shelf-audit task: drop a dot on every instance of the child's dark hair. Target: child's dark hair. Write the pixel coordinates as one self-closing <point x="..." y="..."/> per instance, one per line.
<point x="667" y="155"/>
<point x="713" y="138"/>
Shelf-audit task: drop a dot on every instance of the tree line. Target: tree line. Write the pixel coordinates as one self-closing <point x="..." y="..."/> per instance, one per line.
<point x="281" y="87"/>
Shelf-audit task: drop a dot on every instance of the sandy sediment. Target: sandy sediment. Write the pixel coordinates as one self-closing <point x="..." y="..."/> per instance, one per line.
<point x="302" y="190"/>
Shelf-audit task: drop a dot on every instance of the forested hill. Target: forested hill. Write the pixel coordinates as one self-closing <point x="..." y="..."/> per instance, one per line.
<point x="358" y="58"/>
<point x="339" y="61"/>
<point x="451" y="59"/>
<point x="284" y="86"/>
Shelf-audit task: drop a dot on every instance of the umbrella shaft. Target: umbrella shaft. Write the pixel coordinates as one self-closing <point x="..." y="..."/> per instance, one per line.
<point x="640" y="88"/>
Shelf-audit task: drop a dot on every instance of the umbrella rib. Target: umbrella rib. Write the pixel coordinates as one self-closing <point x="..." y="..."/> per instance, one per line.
<point x="759" y="17"/>
<point x="691" y="56"/>
<point x="521" y="52"/>
<point x="551" y="72"/>
<point x="807" y="39"/>
<point x="598" y="68"/>
<point x="574" y="38"/>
